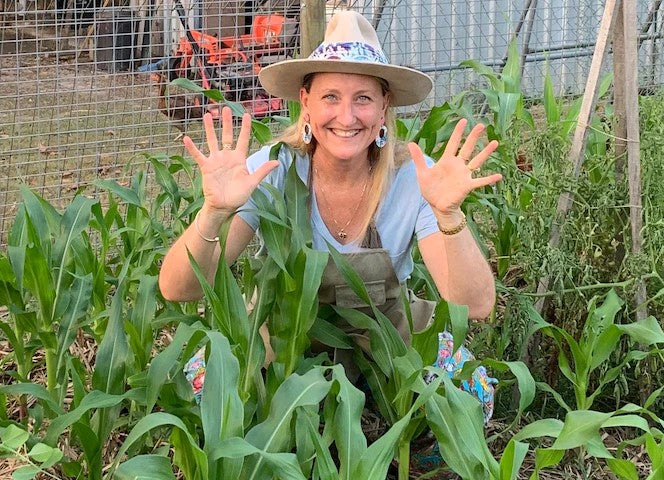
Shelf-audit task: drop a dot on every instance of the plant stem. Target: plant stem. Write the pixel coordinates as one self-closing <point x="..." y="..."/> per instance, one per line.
<point x="51" y="374"/>
<point x="404" y="459"/>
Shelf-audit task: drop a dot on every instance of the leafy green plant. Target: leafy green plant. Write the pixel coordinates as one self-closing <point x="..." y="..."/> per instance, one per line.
<point x="579" y="359"/>
<point x="37" y="459"/>
<point x="47" y="281"/>
<point x="89" y="273"/>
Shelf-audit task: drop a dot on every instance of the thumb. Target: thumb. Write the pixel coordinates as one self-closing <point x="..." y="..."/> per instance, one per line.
<point x="262" y="171"/>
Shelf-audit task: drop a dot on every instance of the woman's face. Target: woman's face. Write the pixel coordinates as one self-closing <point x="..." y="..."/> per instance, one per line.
<point x="345" y="111"/>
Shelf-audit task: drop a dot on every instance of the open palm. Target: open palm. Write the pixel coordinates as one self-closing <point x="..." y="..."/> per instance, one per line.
<point x="227" y="184"/>
<point x="447" y="183"/>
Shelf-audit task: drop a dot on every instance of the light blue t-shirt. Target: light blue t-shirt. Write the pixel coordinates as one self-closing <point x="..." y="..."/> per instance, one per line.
<point x="402" y="216"/>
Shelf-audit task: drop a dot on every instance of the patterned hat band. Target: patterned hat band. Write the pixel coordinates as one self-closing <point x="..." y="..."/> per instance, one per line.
<point x="348" y="51"/>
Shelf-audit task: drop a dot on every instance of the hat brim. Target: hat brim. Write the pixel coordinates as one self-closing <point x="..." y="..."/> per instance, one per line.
<point x="284" y="79"/>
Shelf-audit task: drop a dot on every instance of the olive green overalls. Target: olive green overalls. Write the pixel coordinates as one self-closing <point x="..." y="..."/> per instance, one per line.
<point x="374" y="267"/>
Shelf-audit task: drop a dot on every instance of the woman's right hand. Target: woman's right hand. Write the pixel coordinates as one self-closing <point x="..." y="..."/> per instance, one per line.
<point x="227" y="184"/>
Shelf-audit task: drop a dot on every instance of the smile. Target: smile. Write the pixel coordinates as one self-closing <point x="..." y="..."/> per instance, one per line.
<point x="345" y="133"/>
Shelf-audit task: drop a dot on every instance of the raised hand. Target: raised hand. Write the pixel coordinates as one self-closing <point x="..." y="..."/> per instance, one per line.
<point x="227" y="184"/>
<point x="451" y="179"/>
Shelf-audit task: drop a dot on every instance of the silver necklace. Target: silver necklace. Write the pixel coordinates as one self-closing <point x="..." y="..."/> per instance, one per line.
<point x="341" y="232"/>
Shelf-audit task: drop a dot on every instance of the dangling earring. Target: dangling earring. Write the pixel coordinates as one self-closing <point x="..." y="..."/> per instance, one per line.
<point x="306" y="133"/>
<point x="381" y="139"/>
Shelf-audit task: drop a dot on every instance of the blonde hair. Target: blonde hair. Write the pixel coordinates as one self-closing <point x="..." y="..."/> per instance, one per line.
<point x="383" y="161"/>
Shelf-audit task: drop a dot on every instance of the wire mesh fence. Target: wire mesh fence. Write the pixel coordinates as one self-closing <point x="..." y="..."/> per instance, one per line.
<point x="84" y="83"/>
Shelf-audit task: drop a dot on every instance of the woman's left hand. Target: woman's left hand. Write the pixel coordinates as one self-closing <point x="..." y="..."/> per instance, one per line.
<point x="447" y="183"/>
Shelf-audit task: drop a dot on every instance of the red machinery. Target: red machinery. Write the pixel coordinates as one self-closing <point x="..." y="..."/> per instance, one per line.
<point x="228" y="64"/>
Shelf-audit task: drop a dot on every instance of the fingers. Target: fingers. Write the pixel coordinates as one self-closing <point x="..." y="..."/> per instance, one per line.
<point x="262" y="171"/>
<point x="468" y="147"/>
<point x="210" y="134"/>
<point x="417" y="156"/>
<point x="480" y="182"/>
<point x="452" y="146"/>
<point x="195" y="153"/>
<point x="245" y="134"/>
<point x="226" y="128"/>
<point x="479" y="159"/>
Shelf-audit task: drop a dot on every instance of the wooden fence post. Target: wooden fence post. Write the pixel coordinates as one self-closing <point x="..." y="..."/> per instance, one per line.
<point x="631" y="112"/>
<point x="312" y="25"/>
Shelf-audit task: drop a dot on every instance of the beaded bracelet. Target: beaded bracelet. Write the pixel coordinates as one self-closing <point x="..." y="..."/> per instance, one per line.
<point x="454" y="230"/>
<point x="198" y="230"/>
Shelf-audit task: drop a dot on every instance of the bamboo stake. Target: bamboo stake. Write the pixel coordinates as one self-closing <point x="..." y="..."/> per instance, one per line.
<point x="576" y="154"/>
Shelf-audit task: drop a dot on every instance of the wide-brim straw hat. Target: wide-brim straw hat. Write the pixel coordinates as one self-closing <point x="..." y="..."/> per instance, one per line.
<point x="350" y="46"/>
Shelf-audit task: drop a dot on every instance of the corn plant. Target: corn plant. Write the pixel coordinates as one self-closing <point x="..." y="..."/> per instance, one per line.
<point x="599" y="339"/>
<point x="395" y="375"/>
<point x="56" y="285"/>
<point x="581" y="429"/>
<point x="47" y="283"/>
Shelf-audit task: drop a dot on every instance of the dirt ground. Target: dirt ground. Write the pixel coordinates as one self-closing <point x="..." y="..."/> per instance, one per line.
<point x="65" y="123"/>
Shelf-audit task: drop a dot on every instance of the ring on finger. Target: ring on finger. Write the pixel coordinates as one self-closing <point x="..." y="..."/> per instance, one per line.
<point x="472" y="170"/>
<point x="227" y="146"/>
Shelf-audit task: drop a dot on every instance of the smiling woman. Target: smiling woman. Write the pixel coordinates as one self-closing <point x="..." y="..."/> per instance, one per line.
<point x="371" y="197"/>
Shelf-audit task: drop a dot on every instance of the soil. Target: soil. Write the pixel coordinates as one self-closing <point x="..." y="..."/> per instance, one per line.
<point x="64" y="122"/>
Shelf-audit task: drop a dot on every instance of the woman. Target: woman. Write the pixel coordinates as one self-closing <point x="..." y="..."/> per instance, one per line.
<point x="371" y="196"/>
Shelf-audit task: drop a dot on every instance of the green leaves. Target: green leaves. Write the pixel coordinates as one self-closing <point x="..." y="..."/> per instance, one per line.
<point x="298" y="419"/>
<point x="13" y="441"/>
<point x="145" y="467"/>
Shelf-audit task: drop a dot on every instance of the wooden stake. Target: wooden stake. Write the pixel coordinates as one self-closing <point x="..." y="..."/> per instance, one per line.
<point x="631" y="100"/>
<point x="576" y="154"/>
<point x="619" y="97"/>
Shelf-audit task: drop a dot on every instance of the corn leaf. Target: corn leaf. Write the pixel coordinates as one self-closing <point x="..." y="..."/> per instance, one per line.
<point x="34" y="390"/>
<point x="551" y="108"/>
<point x="79" y="295"/>
<point x="346" y="424"/>
<point x="546" y="457"/>
<point x="511" y="73"/>
<point x="154" y="420"/>
<point x="145" y="467"/>
<point x="273" y="434"/>
<point x="298" y="307"/>
<point x="375" y="461"/>
<point x="547" y="427"/>
<point x="512" y="459"/>
<point x="324" y="466"/>
<point x="579" y="427"/>
<point x="647" y="332"/>
<point x="282" y="465"/>
<point x="624" y="469"/>
<point x="456" y="421"/>
<point x="222" y="411"/>
<point x="162" y="367"/>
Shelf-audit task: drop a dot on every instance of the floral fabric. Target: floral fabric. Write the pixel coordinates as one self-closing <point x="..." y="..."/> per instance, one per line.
<point x="480" y="385"/>
<point x="194" y="370"/>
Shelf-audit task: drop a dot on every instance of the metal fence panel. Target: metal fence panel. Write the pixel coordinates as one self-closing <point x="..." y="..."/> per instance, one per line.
<point x="80" y="100"/>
